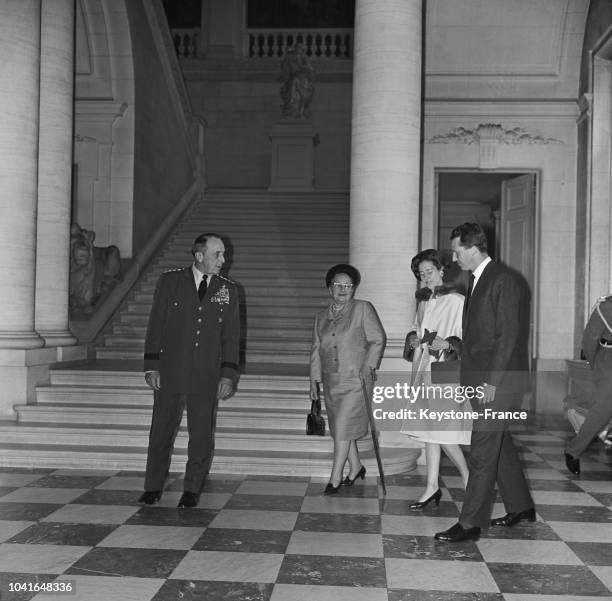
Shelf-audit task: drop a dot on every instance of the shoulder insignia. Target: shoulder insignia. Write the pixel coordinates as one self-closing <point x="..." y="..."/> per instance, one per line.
<point x="222" y="277"/>
<point x="174" y="269"/>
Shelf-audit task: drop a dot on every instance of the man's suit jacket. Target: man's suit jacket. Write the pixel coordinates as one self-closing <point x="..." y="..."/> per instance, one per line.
<point x="193" y="343"/>
<point x="496" y="331"/>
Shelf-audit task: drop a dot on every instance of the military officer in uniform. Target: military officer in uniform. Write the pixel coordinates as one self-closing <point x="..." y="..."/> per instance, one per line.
<point x="597" y="347"/>
<point x="191" y="361"/>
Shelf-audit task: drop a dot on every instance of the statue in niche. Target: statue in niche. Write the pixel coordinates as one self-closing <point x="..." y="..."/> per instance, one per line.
<point x="93" y="269"/>
<point x="297" y="88"/>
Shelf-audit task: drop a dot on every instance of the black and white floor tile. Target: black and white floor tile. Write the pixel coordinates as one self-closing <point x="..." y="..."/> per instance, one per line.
<point x="278" y="539"/>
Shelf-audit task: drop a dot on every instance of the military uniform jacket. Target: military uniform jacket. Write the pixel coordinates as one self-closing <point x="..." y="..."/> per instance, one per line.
<point x="596" y="328"/>
<point x="193" y="343"/>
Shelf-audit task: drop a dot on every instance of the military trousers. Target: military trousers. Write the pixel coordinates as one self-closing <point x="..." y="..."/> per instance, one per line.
<point x="601" y="411"/>
<point x="168" y="410"/>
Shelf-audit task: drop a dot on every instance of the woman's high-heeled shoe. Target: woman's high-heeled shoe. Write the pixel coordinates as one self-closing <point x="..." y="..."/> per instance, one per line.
<point x="422" y="504"/>
<point x="360" y="474"/>
<point x="330" y="489"/>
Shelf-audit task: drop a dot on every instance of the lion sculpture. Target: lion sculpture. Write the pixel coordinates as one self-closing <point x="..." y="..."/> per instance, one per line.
<point x="93" y="269"/>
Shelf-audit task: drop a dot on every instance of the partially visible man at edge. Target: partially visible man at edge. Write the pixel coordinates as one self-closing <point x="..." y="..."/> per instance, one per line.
<point x="191" y="360"/>
<point x="495" y="356"/>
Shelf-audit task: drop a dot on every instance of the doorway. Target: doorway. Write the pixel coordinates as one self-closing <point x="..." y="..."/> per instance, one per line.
<point x="504" y="204"/>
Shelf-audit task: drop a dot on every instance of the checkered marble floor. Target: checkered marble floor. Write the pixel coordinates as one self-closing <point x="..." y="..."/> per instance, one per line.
<point x="278" y="539"/>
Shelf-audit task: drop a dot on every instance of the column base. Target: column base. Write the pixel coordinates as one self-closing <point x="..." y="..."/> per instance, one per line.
<point x="58" y="337"/>
<point x="22" y="370"/>
<point x="392" y="439"/>
<point x="20" y="340"/>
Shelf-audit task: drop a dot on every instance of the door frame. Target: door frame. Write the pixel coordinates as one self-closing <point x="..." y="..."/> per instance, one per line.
<point x="535" y="292"/>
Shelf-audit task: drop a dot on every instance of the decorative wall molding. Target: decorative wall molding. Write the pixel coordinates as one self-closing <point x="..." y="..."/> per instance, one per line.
<point x="499" y="110"/>
<point x="491" y="132"/>
<point x="490" y="137"/>
<point x="518" y="38"/>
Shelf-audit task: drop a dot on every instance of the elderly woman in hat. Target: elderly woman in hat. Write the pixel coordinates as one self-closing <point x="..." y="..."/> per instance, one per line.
<point x="347" y="345"/>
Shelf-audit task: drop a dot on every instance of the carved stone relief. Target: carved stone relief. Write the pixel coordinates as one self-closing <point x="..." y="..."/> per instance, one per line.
<point x="489" y="137"/>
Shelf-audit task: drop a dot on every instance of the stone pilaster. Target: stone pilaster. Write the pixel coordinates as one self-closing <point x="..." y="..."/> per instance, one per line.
<point x="386" y="159"/>
<point x="19" y="100"/>
<point x="55" y="172"/>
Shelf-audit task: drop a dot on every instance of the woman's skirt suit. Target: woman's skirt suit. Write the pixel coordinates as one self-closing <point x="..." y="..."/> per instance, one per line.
<point x="346" y="346"/>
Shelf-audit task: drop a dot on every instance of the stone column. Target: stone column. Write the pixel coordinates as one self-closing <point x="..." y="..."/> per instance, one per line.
<point x="19" y="96"/>
<point x="386" y="159"/>
<point x="55" y="172"/>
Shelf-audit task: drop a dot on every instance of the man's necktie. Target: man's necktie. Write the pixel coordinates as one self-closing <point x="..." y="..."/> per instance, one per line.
<point x="202" y="288"/>
<point x="469" y="292"/>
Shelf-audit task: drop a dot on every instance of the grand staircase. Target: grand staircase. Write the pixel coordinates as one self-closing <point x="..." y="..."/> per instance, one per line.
<point x="97" y="415"/>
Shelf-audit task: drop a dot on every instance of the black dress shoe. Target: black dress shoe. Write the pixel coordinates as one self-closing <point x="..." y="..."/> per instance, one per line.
<point x="512" y="518"/>
<point x="188" y="499"/>
<point x="422" y="504"/>
<point x="330" y="489"/>
<point x="458" y="533"/>
<point x="573" y="464"/>
<point x="348" y="481"/>
<point x="150" y="497"/>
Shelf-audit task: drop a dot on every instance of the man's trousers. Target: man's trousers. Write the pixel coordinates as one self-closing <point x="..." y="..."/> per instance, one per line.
<point x="167" y="414"/>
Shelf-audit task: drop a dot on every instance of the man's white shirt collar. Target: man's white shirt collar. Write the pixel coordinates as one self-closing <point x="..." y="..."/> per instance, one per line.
<point x="198" y="275"/>
<point x="478" y="271"/>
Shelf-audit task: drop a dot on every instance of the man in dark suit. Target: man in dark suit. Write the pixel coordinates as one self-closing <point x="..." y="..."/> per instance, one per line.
<point x="495" y="357"/>
<point x="191" y="360"/>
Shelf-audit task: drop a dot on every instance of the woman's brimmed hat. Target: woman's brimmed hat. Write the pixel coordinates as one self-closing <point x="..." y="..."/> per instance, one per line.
<point x="349" y="270"/>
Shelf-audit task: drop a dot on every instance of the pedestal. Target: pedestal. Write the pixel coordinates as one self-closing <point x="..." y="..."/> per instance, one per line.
<point x="292" y="164"/>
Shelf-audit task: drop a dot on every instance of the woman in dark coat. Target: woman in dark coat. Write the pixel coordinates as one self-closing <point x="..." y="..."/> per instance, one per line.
<point x="347" y="345"/>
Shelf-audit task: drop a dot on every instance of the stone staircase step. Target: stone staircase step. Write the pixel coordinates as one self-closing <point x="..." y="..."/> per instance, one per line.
<point x="305" y="305"/>
<point x="74" y="413"/>
<point x="263" y="316"/>
<point x="278" y="295"/>
<point x="279" y="357"/>
<point x="107" y="396"/>
<point x="294" y="245"/>
<point x="98" y="415"/>
<point x="270" y="356"/>
<point x="125" y="353"/>
<point x="263" y="440"/>
<point x="264" y="325"/>
<point x="251" y="267"/>
<point x="134" y="378"/>
<point x="296" y="342"/>
<point x="396" y="461"/>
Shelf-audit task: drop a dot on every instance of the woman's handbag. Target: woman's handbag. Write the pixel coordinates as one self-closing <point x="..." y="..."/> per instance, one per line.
<point x="445" y="372"/>
<point x="408" y="348"/>
<point x="315" y="424"/>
